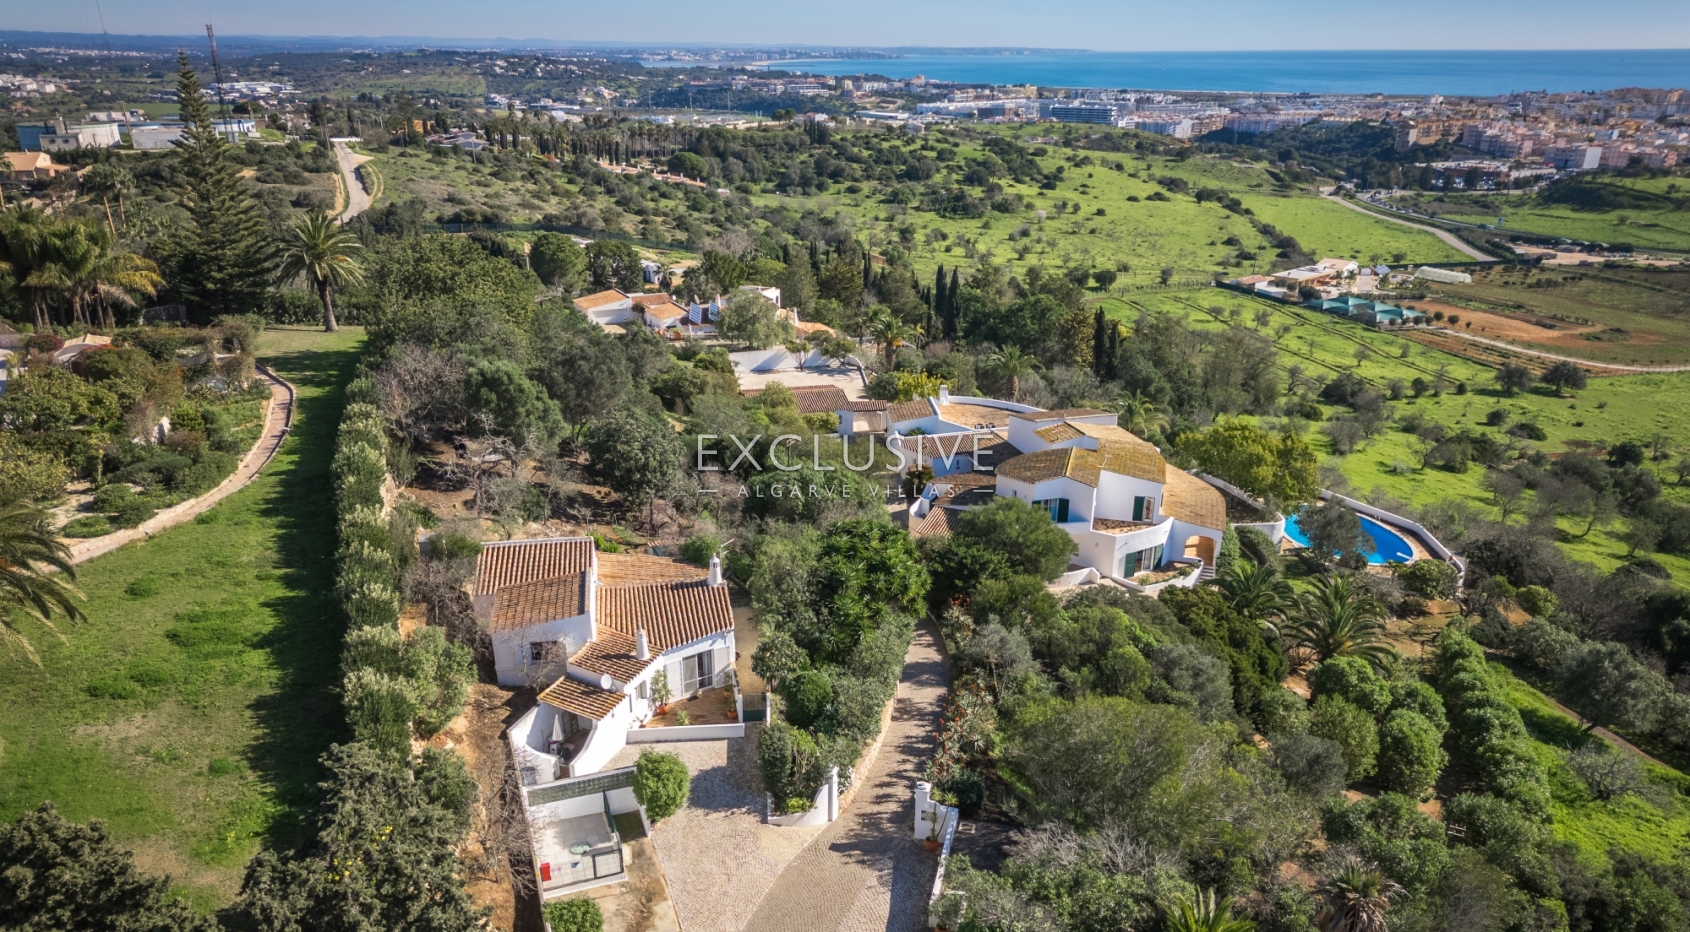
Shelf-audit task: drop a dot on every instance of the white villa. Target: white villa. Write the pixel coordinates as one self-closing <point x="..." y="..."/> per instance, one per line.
<point x="1129" y="512"/>
<point x="592" y="630"/>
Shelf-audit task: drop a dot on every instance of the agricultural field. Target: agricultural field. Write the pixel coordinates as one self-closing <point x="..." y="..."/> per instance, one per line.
<point x="1637" y="317"/>
<point x="1325" y="231"/>
<point x="1648" y="213"/>
<point x="189" y="712"/>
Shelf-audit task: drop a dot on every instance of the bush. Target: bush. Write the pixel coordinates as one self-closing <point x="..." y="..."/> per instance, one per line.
<point x="1310" y="764"/>
<point x="699" y="548"/>
<point x="578" y="915"/>
<point x="1354" y="731"/>
<point x="1429" y="579"/>
<point x="113" y="496"/>
<point x="1543" y="645"/>
<point x="966" y="791"/>
<point x="1536" y="601"/>
<point x="1410" y="754"/>
<point x="807" y="697"/>
<point x="132" y="513"/>
<point x="452" y="545"/>
<point x="661" y="784"/>
<point x="791" y="766"/>
<point x="1282" y="712"/>
<point x="1420" y="698"/>
<point x="381" y="708"/>
<point x="1353" y="680"/>
<point x="87" y="526"/>
<point x="1490" y="735"/>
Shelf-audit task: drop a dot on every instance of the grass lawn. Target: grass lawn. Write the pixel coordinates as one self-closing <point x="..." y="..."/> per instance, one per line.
<point x="190" y="710"/>
<point x="1628" y="823"/>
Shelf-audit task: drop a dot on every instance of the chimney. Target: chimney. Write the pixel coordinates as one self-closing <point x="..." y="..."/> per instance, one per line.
<point x="944" y="393"/>
<point x="642" y="647"/>
<point x="715" y="571"/>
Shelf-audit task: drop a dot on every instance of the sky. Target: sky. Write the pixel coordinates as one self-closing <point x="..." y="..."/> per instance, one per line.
<point x="1104" y="25"/>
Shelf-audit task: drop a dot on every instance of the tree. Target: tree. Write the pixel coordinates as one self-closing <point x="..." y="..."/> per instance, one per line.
<point x="1105" y="278"/>
<point x="1010" y="363"/>
<point x="841" y="280"/>
<point x="724" y="271"/>
<point x="381" y="854"/>
<point x="614" y="264"/>
<point x="1257" y="592"/>
<point x="661" y="784"/>
<point x="1143" y="417"/>
<point x="806" y="696"/>
<point x="1411" y="754"/>
<point x="326" y="255"/>
<point x="778" y="657"/>
<point x="109" y="180"/>
<point x="1357" y="897"/>
<point x="1333" y="530"/>
<point x="1205" y="913"/>
<point x="1340" y="617"/>
<point x="62" y="876"/>
<point x="581" y="914"/>
<point x="27" y="548"/>
<point x="220" y="261"/>
<point x="689" y="164"/>
<point x="1564" y="375"/>
<point x="80" y="262"/>
<point x="752" y="319"/>
<point x="1283" y="468"/>
<point x="513" y="405"/>
<point x="1514" y="378"/>
<point x="638" y="456"/>
<point x="1352" y="680"/>
<point x="891" y="333"/>
<point x="1024" y="536"/>
<point x="1605" y="685"/>
<point x="558" y="262"/>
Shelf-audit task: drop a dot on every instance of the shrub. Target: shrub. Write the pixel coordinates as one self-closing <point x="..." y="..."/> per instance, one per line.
<point x="132" y="513"/>
<point x="1310" y="764"/>
<point x="807" y="697"/>
<point x="381" y="708"/>
<point x="113" y="496"/>
<point x="1354" y="731"/>
<point x="1543" y="645"/>
<point x="1429" y="579"/>
<point x="1410" y="754"/>
<point x="1420" y="698"/>
<point x="1490" y="735"/>
<point x="791" y="766"/>
<point x="578" y="915"/>
<point x="87" y="526"/>
<point x="1353" y="680"/>
<point x="1282" y="712"/>
<point x="452" y="545"/>
<point x="1536" y="601"/>
<point x="699" y="548"/>
<point x="661" y="784"/>
<point x="965" y="790"/>
<point x="856" y="705"/>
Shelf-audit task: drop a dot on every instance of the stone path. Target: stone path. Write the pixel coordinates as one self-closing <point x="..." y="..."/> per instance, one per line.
<point x="278" y="421"/>
<point x="866" y="871"/>
<point x="1445" y="235"/>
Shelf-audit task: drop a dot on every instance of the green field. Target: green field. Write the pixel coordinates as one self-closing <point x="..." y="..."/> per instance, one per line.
<point x="1328" y="229"/>
<point x="190" y="710"/>
<point x="1649" y="213"/>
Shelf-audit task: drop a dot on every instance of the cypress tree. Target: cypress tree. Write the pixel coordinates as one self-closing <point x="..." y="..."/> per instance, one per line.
<point x="1114" y="352"/>
<point x="1099" y="346"/>
<point x="955" y="304"/>
<point x="220" y="262"/>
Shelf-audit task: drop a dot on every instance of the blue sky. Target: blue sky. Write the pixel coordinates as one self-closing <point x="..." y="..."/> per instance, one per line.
<point x="1095" y="24"/>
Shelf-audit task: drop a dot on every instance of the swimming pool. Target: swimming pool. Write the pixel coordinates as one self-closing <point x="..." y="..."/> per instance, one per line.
<point x="1388" y="545"/>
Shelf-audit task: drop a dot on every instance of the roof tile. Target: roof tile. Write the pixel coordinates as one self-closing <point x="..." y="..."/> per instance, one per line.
<point x="504" y="564"/>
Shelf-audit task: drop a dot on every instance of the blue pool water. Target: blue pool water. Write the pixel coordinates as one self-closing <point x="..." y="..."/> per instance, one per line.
<point x="1388" y="545"/>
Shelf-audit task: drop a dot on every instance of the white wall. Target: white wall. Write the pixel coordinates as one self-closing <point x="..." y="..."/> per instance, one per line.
<point x="1023" y="434"/>
<point x="510" y="650"/>
<point x="1115" y="494"/>
<point x="613" y="314"/>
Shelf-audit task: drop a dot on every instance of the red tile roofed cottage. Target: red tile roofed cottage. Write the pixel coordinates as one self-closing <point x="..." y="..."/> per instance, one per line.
<point x="590" y="631"/>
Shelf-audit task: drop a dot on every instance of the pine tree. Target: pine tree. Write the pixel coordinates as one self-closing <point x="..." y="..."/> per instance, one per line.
<point x="220" y="263"/>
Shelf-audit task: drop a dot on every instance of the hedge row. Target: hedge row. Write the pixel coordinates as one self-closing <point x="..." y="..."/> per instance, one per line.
<point x="1489" y="732"/>
<point x="393" y="684"/>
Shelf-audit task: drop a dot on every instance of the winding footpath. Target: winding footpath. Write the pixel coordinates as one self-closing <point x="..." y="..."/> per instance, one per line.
<point x="357" y="199"/>
<point x="866" y="872"/>
<point x="1445" y="235"/>
<point x="278" y="421"/>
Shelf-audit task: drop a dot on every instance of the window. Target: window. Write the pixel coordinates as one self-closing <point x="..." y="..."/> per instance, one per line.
<point x="545" y="652"/>
<point x="698" y="671"/>
<point x="1144" y="508"/>
<point x="1058" y="508"/>
<point x="644" y="691"/>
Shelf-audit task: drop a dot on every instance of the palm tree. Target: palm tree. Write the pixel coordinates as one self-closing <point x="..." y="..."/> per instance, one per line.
<point x="326" y="255"/>
<point x="26" y="545"/>
<point x="1010" y="363"/>
<point x="1205" y="914"/>
<point x="1258" y="593"/>
<point x="890" y="333"/>
<point x="23" y="249"/>
<point x="109" y="180"/>
<point x="1141" y="416"/>
<point x="92" y="275"/>
<point x="1340" y="618"/>
<point x="1357" y="897"/>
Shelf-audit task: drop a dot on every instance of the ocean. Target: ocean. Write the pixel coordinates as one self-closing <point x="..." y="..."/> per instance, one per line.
<point x="1319" y="72"/>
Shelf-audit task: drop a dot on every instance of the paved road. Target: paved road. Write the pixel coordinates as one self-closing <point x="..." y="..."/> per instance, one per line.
<point x="866" y="872"/>
<point x="1574" y="359"/>
<point x="357" y="199"/>
<point x="1444" y="235"/>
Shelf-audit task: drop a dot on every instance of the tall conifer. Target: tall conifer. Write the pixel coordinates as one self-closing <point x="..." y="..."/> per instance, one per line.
<point x="220" y="262"/>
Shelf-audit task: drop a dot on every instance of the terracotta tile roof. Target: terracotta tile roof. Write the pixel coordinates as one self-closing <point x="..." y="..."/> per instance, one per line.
<point x="538" y="602"/>
<point x="934" y="447"/>
<point x="1112" y="432"/>
<point x="1193" y="501"/>
<point x="962" y="483"/>
<point x="937" y="521"/>
<point x="672" y="614"/>
<point x="1058" y="432"/>
<point x="1039" y="466"/>
<point x="805" y="328"/>
<point x="517" y="562"/>
<point x="640" y="569"/>
<point x="972" y="415"/>
<point x="1139" y="460"/>
<point x="865" y="406"/>
<point x="1112" y="526"/>
<point x="581" y="698"/>
<point x="640" y="300"/>
<point x="813" y="399"/>
<point x="910" y="410"/>
<point x="601" y="299"/>
<point x="1057" y="415"/>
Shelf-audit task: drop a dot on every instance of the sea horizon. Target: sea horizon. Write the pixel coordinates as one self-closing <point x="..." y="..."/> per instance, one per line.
<point x="1416" y="72"/>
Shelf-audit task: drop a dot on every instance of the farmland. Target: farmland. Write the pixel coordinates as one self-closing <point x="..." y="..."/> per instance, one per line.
<point x="1648" y="213"/>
